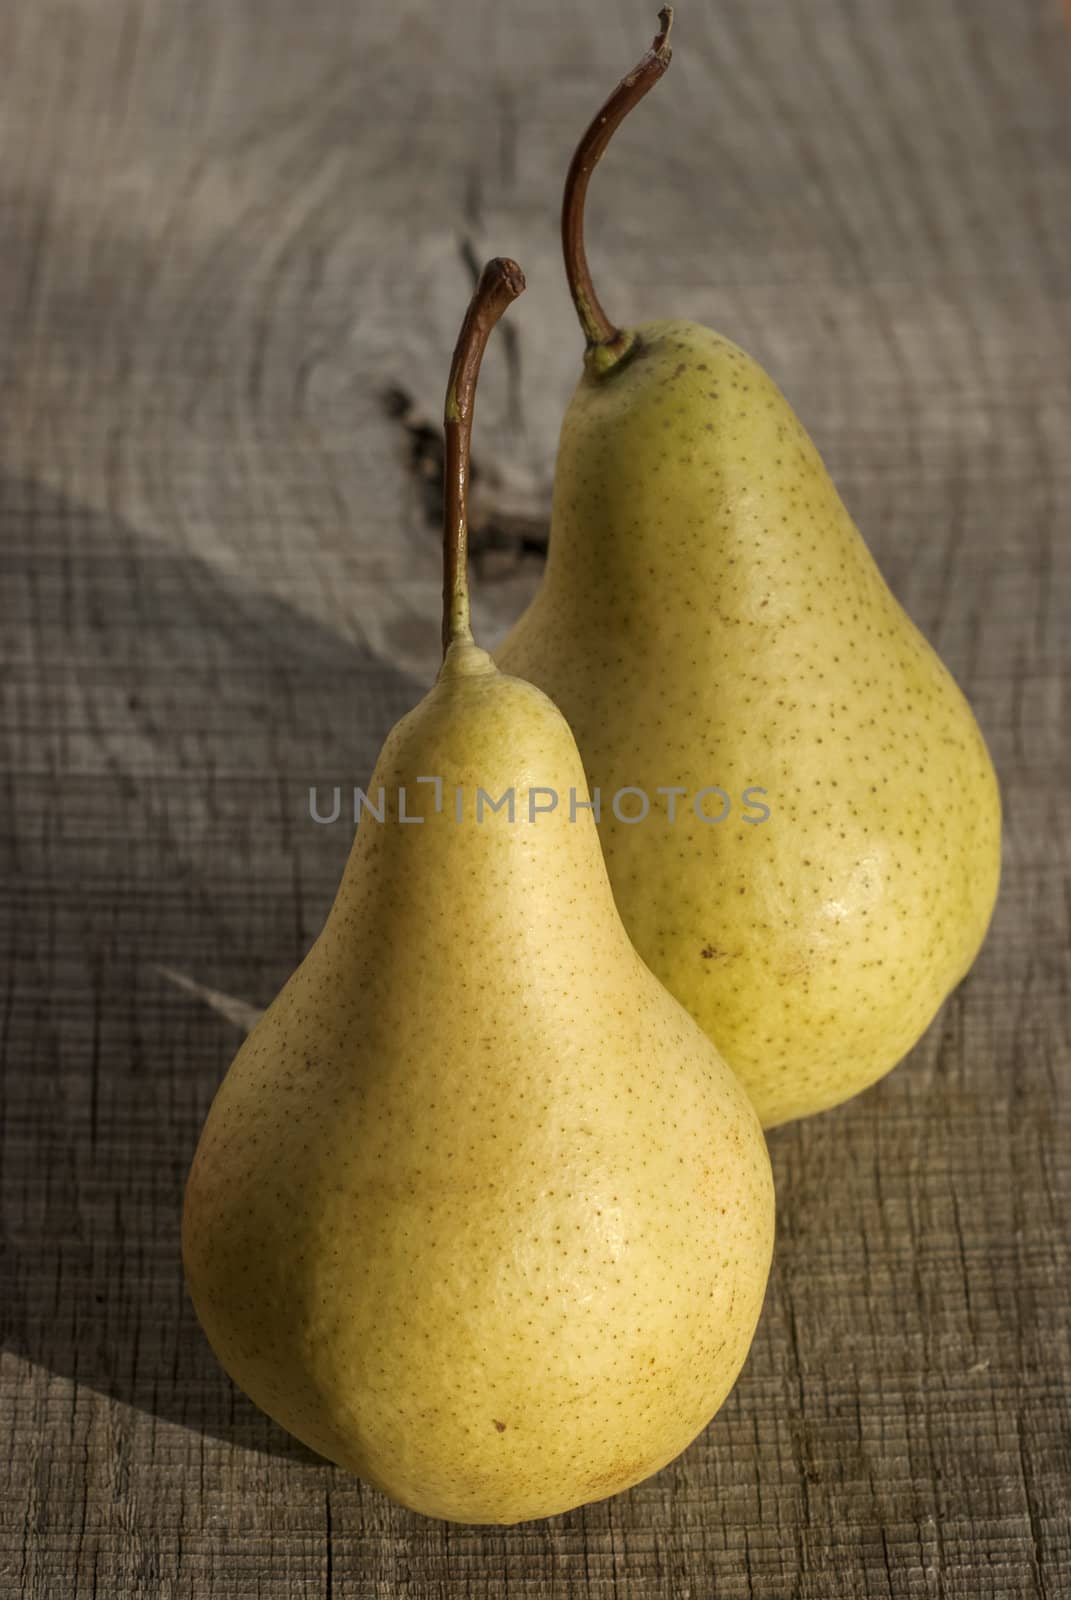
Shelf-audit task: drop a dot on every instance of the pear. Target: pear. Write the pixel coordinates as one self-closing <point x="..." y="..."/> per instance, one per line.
<point x="478" y="1211"/>
<point x="710" y="620"/>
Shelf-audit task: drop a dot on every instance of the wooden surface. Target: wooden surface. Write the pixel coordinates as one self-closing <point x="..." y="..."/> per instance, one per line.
<point x="229" y="231"/>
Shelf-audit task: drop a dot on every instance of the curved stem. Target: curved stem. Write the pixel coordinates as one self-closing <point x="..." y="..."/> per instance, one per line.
<point x="599" y="330"/>
<point x="501" y="281"/>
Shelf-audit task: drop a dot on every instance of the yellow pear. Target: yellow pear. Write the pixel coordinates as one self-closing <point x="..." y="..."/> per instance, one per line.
<point x="711" y="622"/>
<point x="478" y="1212"/>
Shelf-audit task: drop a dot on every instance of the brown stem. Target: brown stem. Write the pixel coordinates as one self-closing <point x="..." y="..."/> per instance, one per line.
<point x="501" y="281"/>
<point x="599" y="330"/>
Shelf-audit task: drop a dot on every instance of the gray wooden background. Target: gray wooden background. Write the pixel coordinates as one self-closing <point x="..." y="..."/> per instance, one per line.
<point x="235" y="242"/>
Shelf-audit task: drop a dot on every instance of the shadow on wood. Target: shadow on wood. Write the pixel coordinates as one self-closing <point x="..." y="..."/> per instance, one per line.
<point x="168" y="826"/>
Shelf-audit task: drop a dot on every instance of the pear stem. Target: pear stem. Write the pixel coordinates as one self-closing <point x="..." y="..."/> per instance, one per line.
<point x="501" y="281"/>
<point x="608" y="341"/>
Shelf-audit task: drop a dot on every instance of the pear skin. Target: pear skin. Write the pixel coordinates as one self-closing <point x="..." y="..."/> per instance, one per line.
<point x="478" y="1212"/>
<point x="711" y="616"/>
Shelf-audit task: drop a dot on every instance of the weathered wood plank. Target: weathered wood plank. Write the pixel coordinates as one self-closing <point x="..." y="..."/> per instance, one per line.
<point x="228" y="230"/>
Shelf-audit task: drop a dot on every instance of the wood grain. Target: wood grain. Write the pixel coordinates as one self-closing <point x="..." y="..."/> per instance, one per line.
<point x="228" y="231"/>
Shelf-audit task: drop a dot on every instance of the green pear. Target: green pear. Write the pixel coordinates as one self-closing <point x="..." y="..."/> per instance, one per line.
<point x="710" y="616"/>
<point x="478" y="1212"/>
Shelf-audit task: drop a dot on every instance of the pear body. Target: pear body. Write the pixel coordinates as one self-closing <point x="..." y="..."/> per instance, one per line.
<point x="478" y="1211"/>
<point x="710" y="616"/>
